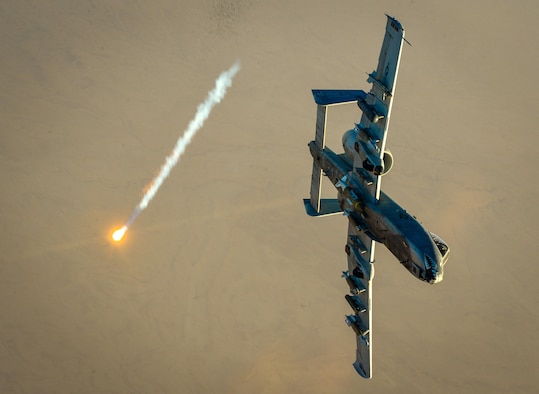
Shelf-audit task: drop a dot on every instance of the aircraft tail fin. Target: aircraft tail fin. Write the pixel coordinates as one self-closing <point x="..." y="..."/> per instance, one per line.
<point x="316" y="206"/>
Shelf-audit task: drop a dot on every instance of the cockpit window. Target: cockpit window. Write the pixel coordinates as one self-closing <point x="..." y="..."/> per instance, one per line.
<point x="440" y="244"/>
<point x="443" y="248"/>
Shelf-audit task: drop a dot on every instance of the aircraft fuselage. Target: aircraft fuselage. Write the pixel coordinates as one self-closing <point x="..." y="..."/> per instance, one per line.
<point x="422" y="253"/>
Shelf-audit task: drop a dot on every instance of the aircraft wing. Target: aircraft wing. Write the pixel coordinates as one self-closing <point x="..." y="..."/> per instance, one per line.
<point x="376" y="106"/>
<point x="360" y="251"/>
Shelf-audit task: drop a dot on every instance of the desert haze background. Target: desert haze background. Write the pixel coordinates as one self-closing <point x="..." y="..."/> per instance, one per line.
<point x="224" y="284"/>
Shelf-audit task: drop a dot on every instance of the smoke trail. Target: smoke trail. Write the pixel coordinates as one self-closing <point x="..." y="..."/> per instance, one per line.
<point x="223" y="82"/>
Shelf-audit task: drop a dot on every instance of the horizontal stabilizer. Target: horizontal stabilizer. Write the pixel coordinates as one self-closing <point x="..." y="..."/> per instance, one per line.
<point x="334" y="97"/>
<point x="328" y="206"/>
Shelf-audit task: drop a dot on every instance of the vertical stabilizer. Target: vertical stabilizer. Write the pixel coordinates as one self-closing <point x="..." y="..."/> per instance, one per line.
<point x="320" y="140"/>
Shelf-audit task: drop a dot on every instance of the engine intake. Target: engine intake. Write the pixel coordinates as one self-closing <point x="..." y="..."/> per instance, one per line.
<point x="355" y="144"/>
<point x="383" y="169"/>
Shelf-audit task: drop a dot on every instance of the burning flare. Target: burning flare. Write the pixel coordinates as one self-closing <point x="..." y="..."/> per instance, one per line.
<point x="223" y="82"/>
<point x="118" y="234"/>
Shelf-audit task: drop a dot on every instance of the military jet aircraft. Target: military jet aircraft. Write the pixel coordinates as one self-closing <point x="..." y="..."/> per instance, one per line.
<point x="372" y="215"/>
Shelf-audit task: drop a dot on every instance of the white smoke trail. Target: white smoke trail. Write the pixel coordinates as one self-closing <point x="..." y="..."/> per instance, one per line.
<point x="223" y="82"/>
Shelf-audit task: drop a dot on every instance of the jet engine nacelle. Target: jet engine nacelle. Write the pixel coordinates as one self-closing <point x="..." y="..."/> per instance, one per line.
<point x="388" y="161"/>
<point x="362" y="151"/>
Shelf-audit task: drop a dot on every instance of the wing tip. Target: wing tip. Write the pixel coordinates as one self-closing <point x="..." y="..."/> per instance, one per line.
<point x="396" y="22"/>
<point x="361" y="371"/>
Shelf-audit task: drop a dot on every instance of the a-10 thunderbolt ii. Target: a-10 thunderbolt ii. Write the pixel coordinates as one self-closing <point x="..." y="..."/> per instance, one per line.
<point x="372" y="215"/>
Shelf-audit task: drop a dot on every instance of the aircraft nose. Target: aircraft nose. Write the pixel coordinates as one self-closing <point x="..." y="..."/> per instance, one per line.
<point x="438" y="279"/>
<point x="439" y="276"/>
